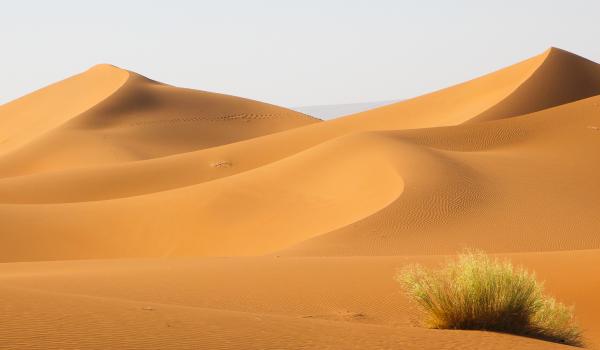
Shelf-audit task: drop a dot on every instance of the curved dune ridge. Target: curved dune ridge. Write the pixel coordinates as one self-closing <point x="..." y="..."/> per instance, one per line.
<point x="30" y="116"/>
<point x="141" y="119"/>
<point x="109" y="165"/>
<point x="364" y="176"/>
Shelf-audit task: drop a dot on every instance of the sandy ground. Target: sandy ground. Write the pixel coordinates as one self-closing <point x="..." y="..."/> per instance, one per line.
<point x="137" y="215"/>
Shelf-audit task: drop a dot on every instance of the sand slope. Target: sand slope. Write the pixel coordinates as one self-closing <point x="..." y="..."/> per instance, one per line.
<point x="357" y="178"/>
<point x="141" y="119"/>
<point x="313" y="216"/>
<point x="32" y="115"/>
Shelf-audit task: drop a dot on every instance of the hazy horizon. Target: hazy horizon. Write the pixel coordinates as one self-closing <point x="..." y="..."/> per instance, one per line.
<point x="291" y="54"/>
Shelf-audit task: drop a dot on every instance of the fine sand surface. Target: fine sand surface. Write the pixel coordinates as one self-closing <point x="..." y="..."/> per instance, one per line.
<point x="137" y="215"/>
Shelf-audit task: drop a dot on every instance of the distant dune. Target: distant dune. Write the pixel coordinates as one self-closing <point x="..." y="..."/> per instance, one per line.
<point x="334" y="111"/>
<point x="212" y="221"/>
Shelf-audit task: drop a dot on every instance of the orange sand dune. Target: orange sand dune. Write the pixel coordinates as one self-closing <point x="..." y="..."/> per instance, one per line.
<point x="387" y="191"/>
<point x="141" y="119"/>
<point x="313" y="217"/>
<point x="450" y="106"/>
<point x="33" y="115"/>
<point x="418" y="191"/>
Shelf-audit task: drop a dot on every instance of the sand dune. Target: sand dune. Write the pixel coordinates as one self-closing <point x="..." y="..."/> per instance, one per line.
<point x="340" y="110"/>
<point x="313" y="216"/>
<point x="562" y="78"/>
<point x="394" y="190"/>
<point x="140" y="119"/>
<point x="33" y="115"/>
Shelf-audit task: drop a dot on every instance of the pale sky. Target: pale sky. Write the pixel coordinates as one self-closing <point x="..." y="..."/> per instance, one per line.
<point x="290" y="53"/>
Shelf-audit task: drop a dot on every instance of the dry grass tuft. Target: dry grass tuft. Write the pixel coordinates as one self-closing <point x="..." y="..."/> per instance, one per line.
<point x="483" y="293"/>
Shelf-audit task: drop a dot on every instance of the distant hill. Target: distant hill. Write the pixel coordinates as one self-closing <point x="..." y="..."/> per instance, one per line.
<point x="334" y="111"/>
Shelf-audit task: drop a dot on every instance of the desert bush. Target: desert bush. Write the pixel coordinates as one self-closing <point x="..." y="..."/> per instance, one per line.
<point x="478" y="292"/>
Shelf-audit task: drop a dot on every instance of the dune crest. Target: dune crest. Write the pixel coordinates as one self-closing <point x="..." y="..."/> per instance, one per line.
<point x="561" y="78"/>
<point x="30" y="116"/>
<point x="141" y="119"/>
<point x="365" y="177"/>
